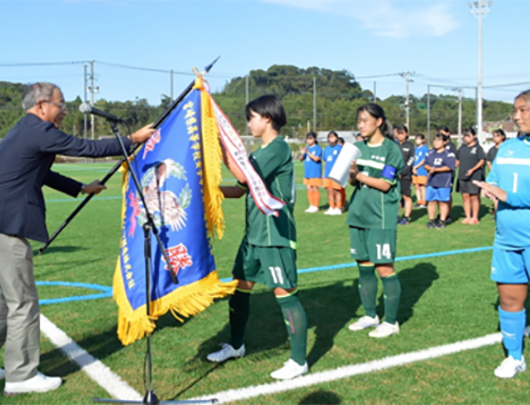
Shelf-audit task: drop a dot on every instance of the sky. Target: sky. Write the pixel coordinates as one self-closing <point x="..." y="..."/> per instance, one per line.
<point x="375" y="40"/>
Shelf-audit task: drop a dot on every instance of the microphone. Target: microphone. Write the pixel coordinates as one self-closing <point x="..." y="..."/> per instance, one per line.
<point x="86" y="108"/>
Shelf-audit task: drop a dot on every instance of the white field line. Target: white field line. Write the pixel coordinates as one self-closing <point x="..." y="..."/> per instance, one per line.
<point x="95" y="369"/>
<point x="355" y="369"/>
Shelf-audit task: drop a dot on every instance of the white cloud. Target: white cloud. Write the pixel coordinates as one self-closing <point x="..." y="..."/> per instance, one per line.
<point x="388" y="18"/>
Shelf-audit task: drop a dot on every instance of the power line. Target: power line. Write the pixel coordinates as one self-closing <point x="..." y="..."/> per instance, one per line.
<point x="145" y="69"/>
<point x="43" y="63"/>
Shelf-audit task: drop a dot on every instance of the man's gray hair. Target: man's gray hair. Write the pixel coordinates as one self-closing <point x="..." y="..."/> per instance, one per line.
<point x="37" y="92"/>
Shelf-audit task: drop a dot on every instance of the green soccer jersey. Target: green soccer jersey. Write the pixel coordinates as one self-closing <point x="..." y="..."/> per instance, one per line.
<point x="371" y="208"/>
<point x="274" y="165"/>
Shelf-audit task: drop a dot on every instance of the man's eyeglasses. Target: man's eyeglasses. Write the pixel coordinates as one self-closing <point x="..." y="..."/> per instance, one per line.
<point x="61" y="106"/>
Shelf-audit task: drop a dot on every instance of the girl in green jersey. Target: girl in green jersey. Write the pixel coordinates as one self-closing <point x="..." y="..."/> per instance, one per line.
<point x="267" y="253"/>
<point x="372" y="216"/>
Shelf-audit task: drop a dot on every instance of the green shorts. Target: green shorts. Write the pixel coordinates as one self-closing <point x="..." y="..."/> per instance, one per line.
<point x="273" y="266"/>
<point x="376" y="245"/>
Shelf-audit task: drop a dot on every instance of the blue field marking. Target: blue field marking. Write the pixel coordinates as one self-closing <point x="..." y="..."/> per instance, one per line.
<point x="107" y="291"/>
<point x="398" y="259"/>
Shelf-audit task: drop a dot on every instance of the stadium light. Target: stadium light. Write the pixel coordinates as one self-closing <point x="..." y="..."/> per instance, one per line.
<point x="478" y="9"/>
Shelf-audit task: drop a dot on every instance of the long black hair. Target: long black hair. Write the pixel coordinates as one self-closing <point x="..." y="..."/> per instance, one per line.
<point x="377" y="111"/>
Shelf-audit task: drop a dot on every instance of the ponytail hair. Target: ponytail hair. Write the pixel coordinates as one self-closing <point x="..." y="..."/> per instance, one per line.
<point x="377" y="111"/>
<point x="501" y="133"/>
<point x="312" y="135"/>
<point x="470" y="131"/>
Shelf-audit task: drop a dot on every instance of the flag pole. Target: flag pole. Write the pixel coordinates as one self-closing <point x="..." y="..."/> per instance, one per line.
<point x="117" y="166"/>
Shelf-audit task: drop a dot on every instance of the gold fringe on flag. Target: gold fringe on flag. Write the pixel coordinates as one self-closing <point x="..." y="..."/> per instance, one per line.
<point x="184" y="302"/>
<point x="211" y="149"/>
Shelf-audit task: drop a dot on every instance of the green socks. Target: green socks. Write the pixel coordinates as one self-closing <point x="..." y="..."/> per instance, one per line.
<point x="239" y="309"/>
<point x="368" y="289"/>
<point x="296" y="323"/>
<point x="392" y="293"/>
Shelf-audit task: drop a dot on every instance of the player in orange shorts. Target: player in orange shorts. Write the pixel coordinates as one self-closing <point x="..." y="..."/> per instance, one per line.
<point x="311" y="155"/>
<point x="331" y="153"/>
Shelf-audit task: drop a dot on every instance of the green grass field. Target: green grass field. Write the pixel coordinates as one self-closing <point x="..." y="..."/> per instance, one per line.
<point x="445" y="300"/>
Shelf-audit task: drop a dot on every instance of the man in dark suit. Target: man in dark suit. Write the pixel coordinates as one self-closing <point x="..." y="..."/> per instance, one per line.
<point x="26" y="155"/>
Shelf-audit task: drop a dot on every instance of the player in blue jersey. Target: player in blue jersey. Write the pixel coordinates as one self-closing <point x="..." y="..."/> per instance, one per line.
<point x="509" y="184"/>
<point x="439" y="164"/>
<point x="331" y="153"/>
<point x="419" y="174"/>
<point x="311" y="155"/>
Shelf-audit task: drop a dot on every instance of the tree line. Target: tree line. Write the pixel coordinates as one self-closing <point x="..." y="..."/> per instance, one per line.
<point x="338" y="95"/>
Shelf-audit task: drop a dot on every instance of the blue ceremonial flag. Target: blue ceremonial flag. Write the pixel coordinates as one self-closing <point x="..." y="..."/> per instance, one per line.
<point x="179" y="169"/>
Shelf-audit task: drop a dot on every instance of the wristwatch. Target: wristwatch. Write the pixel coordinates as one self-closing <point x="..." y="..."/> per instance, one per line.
<point x="83" y="186"/>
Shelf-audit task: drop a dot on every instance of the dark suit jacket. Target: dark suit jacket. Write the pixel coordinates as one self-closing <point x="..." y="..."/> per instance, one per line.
<point x="26" y="155"/>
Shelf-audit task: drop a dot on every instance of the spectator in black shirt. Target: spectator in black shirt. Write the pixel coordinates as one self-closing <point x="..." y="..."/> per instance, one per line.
<point x="408" y="152"/>
<point x="498" y="137"/>
<point x="470" y="162"/>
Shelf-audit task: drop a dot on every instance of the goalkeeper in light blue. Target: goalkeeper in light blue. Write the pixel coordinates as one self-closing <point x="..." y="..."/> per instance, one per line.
<point x="509" y="184"/>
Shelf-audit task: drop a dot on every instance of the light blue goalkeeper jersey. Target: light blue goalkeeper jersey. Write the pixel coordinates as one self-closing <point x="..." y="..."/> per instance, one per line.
<point x="511" y="172"/>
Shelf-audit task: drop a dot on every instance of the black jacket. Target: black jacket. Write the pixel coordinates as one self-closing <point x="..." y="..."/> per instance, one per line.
<point x="26" y="155"/>
<point x="407" y="151"/>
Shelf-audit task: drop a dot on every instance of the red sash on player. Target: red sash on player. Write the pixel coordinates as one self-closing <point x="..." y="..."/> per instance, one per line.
<point x="266" y="203"/>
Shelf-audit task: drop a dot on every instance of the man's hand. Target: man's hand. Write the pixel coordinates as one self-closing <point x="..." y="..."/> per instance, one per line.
<point x="432" y="170"/>
<point x="491" y="191"/>
<point x="469" y="173"/>
<point x="143" y="134"/>
<point x="93" y="188"/>
<point x="414" y="171"/>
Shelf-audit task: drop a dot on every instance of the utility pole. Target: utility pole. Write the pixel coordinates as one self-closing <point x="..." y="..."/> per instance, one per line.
<point x="406" y="76"/>
<point x="171" y="84"/>
<point x="315" y="104"/>
<point x="459" y="116"/>
<point x="246" y="96"/>
<point x="85" y="123"/>
<point x="428" y="114"/>
<point x="92" y="91"/>
<point x="478" y="9"/>
<point x="375" y="87"/>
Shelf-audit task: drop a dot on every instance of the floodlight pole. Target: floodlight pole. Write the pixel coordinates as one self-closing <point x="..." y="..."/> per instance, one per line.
<point x="459" y="116"/>
<point x="478" y="9"/>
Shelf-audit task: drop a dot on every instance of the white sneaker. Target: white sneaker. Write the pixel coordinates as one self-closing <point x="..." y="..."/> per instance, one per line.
<point x="329" y="211"/>
<point x="39" y="383"/>
<point x="227" y="352"/>
<point x="364" y="322"/>
<point x="336" y="211"/>
<point x="312" y="209"/>
<point x="510" y="367"/>
<point x="2" y="374"/>
<point x="385" y="330"/>
<point x="290" y="369"/>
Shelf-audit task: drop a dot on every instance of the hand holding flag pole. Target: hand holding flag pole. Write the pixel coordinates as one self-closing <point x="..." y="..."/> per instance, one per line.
<point x="117" y="166"/>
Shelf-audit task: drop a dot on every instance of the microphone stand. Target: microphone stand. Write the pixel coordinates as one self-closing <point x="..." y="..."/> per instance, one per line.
<point x="149" y="227"/>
